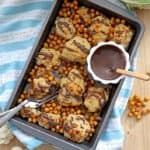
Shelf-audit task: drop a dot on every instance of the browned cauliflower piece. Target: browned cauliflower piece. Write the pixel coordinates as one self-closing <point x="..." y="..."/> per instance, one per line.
<point x="28" y="112"/>
<point x="100" y="28"/>
<point x="84" y="14"/>
<point x="95" y="99"/>
<point x="65" y="28"/>
<point x="39" y="83"/>
<point x="123" y="35"/>
<point x="76" y="128"/>
<point x="49" y="120"/>
<point x="76" y="50"/>
<point x="72" y="89"/>
<point x="48" y="58"/>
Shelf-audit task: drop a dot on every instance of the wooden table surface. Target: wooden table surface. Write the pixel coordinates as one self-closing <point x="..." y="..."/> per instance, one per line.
<point x="137" y="134"/>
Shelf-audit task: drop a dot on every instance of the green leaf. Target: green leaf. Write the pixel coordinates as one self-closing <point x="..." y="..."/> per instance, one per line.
<point x="136" y="3"/>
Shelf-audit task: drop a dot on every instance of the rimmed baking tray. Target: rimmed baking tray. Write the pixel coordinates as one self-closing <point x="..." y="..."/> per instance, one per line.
<point x="55" y="138"/>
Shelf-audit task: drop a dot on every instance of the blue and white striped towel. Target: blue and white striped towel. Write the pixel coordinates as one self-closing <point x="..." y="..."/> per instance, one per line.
<point x="20" y="23"/>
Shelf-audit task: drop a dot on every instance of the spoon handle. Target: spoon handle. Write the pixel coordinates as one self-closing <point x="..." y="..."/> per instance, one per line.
<point x="10" y="113"/>
<point x="133" y="74"/>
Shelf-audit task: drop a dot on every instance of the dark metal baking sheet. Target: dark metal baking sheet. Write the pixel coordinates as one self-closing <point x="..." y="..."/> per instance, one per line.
<point x="54" y="138"/>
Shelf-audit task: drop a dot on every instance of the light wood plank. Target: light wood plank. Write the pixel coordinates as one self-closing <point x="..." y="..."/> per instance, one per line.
<point x="138" y="133"/>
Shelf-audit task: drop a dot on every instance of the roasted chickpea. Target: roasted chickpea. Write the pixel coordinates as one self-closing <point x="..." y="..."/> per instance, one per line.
<point x="130" y="114"/>
<point x="92" y="15"/>
<point x="20" y="100"/>
<point x="22" y="96"/>
<point x="29" y="80"/>
<point x="46" y="45"/>
<point x="123" y="21"/>
<point x="31" y="92"/>
<point x="97" y="13"/>
<point x="29" y="119"/>
<point x="53" y="129"/>
<point x="46" y="109"/>
<point x="117" y="20"/>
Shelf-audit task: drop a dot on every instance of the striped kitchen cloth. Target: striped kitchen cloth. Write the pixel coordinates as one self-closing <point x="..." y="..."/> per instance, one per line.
<point x="20" y="23"/>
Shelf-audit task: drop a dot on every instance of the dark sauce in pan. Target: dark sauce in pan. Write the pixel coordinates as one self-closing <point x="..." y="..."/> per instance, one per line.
<point x="106" y="60"/>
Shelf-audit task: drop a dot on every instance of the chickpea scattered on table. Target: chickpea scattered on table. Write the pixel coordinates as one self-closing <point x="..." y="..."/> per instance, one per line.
<point x="138" y="107"/>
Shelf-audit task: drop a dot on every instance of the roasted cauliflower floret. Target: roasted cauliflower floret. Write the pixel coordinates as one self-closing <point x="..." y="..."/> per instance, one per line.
<point x="122" y="35"/>
<point x="76" y="128"/>
<point x="72" y="89"/>
<point x="99" y="29"/>
<point x="95" y="99"/>
<point x="48" y="58"/>
<point x="65" y="28"/>
<point x="76" y="50"/>
<point x="84" y="14"/>
<point x="49" y="120"/>
<point x="41" y="84"/>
